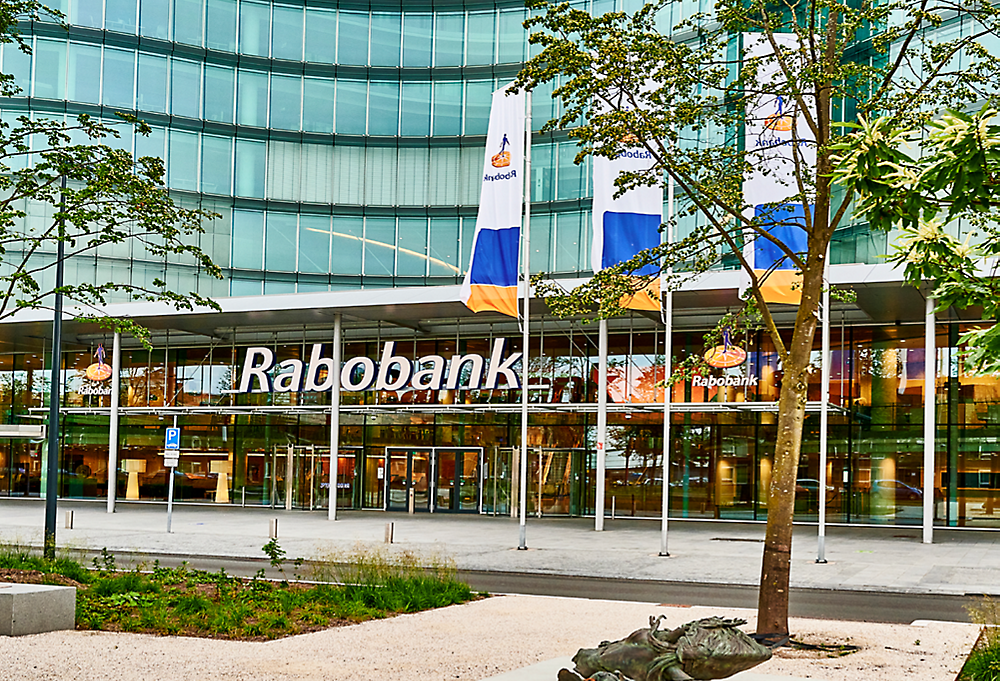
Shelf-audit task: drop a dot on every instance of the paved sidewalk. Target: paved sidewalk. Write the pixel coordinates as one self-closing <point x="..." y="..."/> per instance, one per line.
<point x="861" y="558"/>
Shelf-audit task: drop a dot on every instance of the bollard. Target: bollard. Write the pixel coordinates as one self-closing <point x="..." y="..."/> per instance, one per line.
<point x="388" y="532"/>
<point x="243" y="501"/>
<point x="273" y="529"/>
<point x="412" y="501"/>
<point x="613" y="507"/>
<point x="69" y="520"/>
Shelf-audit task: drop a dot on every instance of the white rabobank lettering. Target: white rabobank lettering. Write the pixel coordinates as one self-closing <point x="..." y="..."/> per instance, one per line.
<point x="251" y="370"/>
<point x="393" y="372"/>
<point x="429" y="378"/>
<point x="505" y="367"/>
<point x="289" y="381"/>
<point x="388" y="362"/>
<point x="500" y="176"/>
<point x="724" y="381"/>
<point x="316" y="363"/>
<point x="365" y="380"/>
<point x="455" y="372"/>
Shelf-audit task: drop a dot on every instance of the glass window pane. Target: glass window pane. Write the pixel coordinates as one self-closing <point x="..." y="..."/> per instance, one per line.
<point x="183" y="169"/>
<point x="321" y="35"/>
<point x="280" y="245"/>
<point x="317" y="105"/>
<point x="152" y="144"/>
<point x="18" y="64"/>
<point x="187" y="21"/>
<point x="50" y="69"/>
<point x="185" y="89"/>
<point x="251" y="162"/>
<point x="353" y="38"/>
<point x="449" y="36"/>
<point x="412" y="244"/>
<point x="119" y="78"/>
<point x="221" y="25"/>
<point x="513" y="37"/>
<point x="345" y="256"/>
<point x="121" y="15"/>
<point x="443" y="247"/>
<point x="480" y="50"/>
<point x="568" y="241"/>
<point x="415" y="119"/>
<point x="87" y="13"/>
<point x="251" y="106"/>
<point x="84" y="73"/>
<point x="154" y="16"/>
<point x="248" y="237"/>
<point x="286" y="39"/>
<point x="314" y="243"/>
<point x="383" y="104"/>
<point x="245" y="287"/>
<point x="380" y="246"/>
<point x="417" y="39"/>
<point x="570" y="183"/>
<point x="152" y="83"/>
<point x="478" y="98"/>
<point x="385" y="39"/>
<point x="286" y="97"/>
<point x="216" y="165"/>
<point x="352" y="101"/>
<point x="219" y="87"/>
<point x="255" y="28"/>
<point x="447" y="108"/>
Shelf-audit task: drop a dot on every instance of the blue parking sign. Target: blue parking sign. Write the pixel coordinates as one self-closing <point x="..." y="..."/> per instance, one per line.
<point x="173" y="438"/>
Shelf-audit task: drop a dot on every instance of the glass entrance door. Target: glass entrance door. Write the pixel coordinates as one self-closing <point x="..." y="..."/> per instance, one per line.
<point x="457" y="479"/>
<point x="409" y="474"/>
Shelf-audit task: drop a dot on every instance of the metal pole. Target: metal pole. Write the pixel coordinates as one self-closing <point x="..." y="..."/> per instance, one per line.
<point x="602" y="423"/>
<point x="525" y="338"/>
<point x="668" y="348"/>
<point x="930" y="417"/>
<point x="824" y="413"/>
<point x="335" y="416"/>
<point x="170" y="491"/>
<point x="116" y="366"/>
<point x="52" y="451"/>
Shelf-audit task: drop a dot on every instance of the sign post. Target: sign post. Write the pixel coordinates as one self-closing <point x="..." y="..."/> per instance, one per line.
<point x="171" y="457"/>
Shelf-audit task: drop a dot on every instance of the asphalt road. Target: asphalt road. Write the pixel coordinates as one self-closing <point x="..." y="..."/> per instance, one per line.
<point x="851" y="605"/>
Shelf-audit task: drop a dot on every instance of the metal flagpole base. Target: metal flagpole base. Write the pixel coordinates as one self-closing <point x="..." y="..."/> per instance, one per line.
<point x="664" y="554"/>
<point x="522" y="541"/>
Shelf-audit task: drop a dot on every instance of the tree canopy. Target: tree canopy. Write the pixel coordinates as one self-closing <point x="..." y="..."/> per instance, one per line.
<point x="71" y="182"/>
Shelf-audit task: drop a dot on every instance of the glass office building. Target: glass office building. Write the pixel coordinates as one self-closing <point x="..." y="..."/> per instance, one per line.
<point x="341" y="144"/>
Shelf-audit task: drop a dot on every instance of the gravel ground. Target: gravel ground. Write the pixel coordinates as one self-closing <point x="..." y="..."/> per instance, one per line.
<point x="470" y="642"/>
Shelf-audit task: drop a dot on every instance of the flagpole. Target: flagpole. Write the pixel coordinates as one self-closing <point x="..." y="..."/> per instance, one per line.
<point x="525" y="259"/>
<point x="668" y="328"/>
<point x="824" y="411"/>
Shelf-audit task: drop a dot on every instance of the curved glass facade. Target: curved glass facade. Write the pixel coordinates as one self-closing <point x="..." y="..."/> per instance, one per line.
<point x="347" y="141"/>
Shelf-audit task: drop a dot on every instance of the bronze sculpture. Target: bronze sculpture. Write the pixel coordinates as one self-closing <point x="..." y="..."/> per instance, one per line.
<point x="709" y="648"/>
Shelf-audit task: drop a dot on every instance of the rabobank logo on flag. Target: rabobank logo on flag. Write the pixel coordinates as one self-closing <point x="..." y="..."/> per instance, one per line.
<point x="626" y="225"/>
<point x="492" y="279"/>
<point x="779" y="141"/>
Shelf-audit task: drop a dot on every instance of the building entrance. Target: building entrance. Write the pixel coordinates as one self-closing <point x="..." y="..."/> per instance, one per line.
<point x="434" y="479"/>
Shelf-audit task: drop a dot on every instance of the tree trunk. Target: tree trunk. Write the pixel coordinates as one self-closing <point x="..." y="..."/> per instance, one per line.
<point x="772" y="603"/>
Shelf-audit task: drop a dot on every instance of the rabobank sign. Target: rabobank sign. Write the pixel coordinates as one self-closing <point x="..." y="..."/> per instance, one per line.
<point x="635" y="153"/>
<point x="500" y="176"/>
<point x="392" y="372"/>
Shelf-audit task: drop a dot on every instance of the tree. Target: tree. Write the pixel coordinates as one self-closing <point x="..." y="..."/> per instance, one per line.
<point x="684" y="96"/>
<point x="954" y="180"/>
<point x="87" y="194"/>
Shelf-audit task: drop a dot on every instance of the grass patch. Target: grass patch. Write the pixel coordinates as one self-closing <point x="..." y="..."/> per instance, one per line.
<point x="984" y="660"/>
<point x="181" y="601"/>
